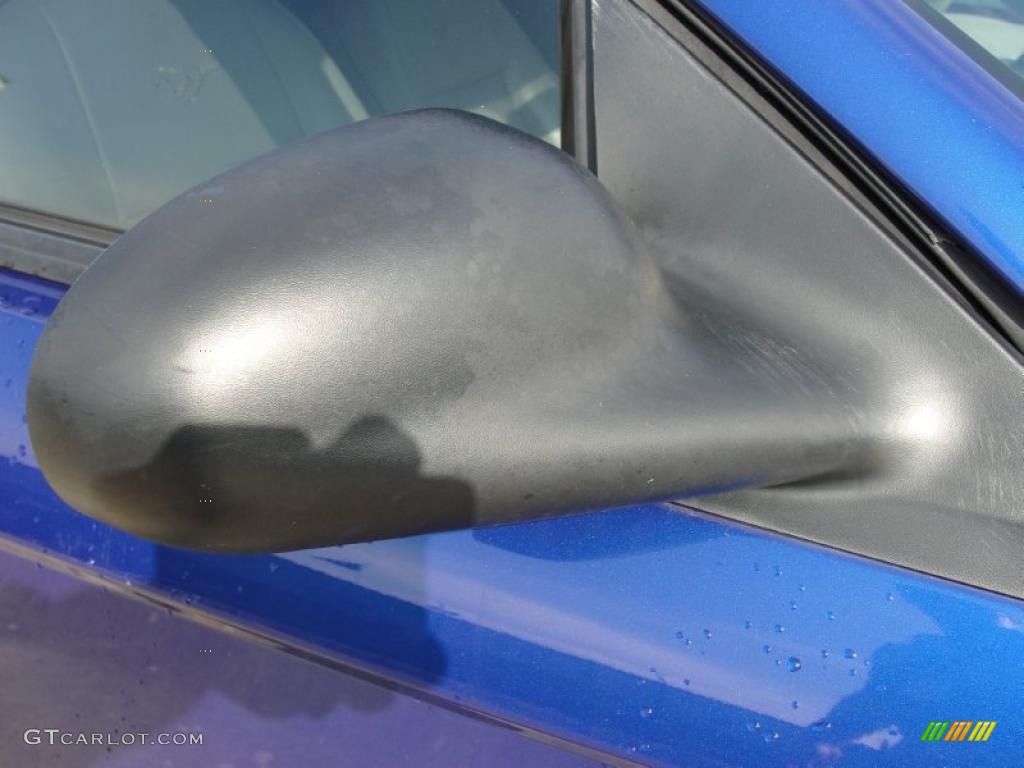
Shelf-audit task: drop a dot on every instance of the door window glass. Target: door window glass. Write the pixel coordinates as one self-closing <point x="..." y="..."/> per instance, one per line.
<point x="109" y="108"/>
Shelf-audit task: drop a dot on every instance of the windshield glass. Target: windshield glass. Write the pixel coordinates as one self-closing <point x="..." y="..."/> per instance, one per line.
<point x="996" y="26"/>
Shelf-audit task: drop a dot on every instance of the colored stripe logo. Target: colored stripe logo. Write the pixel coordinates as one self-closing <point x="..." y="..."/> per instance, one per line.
<point x="958" y="730"/>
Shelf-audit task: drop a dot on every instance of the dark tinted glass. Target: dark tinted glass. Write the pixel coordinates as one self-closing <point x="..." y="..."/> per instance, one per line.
<point x="995" y="26"/>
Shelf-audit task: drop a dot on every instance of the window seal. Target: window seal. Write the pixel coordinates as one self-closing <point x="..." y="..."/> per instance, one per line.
<point x="48" y="246"/>
<point x="577" y="82"/>
<point x="52" y="224"/>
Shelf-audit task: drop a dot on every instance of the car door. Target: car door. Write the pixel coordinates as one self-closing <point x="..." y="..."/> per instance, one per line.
<point x="654" y="633"/>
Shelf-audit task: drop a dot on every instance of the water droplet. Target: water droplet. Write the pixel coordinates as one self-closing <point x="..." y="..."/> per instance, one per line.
<point x="803" y="588"/>
<point x="849" y="653"/>
<point x="748" y="624"/>
<point x="647" y="712"/>
<point x="90" y="561"/>
<point x="821" y="725"/>
<point x="680" y="635"/>
<point x="794" y="664"/>
<point x="754" y="726"/>
<point x="770" y="737"/>
<point x="792" y="605"/>
<point x="853" y="673"/>
<point x="686" y="681"/>
<point x="779" y="628"/>
<point x="890" y="596"/>
<point x="766" y="648"/>
<point x="824" y="653"/>
<point x="777" y="570"/>
<point x="795" y="704"/>
<point x="707" y="634"/>
<point x="22" y="451"/>
<point x="830" y="615"/>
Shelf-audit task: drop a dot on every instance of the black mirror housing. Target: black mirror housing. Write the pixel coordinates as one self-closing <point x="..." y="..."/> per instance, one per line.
<point x="410" y="324"/>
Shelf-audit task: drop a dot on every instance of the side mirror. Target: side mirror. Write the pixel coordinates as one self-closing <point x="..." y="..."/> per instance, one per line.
<point x="410" y="324"/>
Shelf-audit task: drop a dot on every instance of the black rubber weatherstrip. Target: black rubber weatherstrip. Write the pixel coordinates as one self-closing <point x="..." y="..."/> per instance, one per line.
<point x="578" y="124"/>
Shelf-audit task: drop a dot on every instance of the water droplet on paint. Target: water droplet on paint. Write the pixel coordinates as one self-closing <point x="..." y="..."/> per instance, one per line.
<point x="794" y="664"/>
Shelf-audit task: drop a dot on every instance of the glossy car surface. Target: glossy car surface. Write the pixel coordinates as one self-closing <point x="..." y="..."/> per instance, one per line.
<point x="653" y="633"/>
<point x="656" y="633"/>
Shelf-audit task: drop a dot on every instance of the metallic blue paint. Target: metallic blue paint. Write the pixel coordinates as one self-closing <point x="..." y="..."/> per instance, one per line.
<point x="942" y="124"/>
<point x="652" y="633"/>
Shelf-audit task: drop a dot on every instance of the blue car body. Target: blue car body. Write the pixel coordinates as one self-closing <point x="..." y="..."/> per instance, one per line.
<point x="657" y="634"/>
